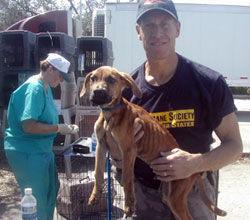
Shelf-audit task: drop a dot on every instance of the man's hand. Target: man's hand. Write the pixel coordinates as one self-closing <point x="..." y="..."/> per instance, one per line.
<point x="178" y="164"/>
<point x="175" y="164"/>
<point x="115" y="153"/>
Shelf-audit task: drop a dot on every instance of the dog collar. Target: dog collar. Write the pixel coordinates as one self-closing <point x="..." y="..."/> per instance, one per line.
<point x="115" y="107"/>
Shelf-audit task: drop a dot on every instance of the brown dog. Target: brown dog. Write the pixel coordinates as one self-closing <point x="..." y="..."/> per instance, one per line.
<point x="105" y="85"/>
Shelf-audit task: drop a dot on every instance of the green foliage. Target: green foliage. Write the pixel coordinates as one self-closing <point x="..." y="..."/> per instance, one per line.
<point x="12" y="11"/>
<point x="87" y="12"/>
<point x="240" y="90"/>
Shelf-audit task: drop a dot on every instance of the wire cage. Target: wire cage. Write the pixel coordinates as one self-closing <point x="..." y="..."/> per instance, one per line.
<point x="76" y="175"/>
<point x="86" y="119"/>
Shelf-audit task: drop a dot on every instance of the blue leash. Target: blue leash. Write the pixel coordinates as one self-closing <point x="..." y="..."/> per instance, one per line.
<point x="109" y="188"/>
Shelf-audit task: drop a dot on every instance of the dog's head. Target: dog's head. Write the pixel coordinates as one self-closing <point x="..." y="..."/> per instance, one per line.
<point x="105" y="86"/>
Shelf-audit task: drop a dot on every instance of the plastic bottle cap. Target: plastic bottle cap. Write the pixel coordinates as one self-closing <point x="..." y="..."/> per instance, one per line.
<point x="28" y="191"/>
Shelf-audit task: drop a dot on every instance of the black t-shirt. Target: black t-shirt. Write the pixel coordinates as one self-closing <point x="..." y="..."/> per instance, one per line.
<point x="191" y="105"/>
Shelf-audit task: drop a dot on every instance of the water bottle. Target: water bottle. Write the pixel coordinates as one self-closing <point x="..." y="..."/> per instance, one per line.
<point x="28" y="204"/>
<point x="94" y="142"/>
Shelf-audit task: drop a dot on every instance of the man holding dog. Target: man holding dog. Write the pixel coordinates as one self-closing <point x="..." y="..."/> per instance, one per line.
<point x="192" y="101"/>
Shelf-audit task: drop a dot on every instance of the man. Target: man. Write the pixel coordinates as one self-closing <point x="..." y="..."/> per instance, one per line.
<point x="192" y="101"/>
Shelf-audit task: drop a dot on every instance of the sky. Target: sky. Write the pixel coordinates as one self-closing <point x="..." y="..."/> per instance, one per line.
<point x="220" y="2"/>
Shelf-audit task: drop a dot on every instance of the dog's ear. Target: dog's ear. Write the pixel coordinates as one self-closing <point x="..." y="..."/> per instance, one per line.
<point x="85" y="87"/>
<point x="130" y="83"/>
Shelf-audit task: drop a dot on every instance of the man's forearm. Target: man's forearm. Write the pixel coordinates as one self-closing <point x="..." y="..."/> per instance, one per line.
<point x="230" y="148"/>
<point x="221" y="156"/>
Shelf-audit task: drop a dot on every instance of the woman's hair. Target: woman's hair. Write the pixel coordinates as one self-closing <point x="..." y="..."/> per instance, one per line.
<point x="44" y="64"/>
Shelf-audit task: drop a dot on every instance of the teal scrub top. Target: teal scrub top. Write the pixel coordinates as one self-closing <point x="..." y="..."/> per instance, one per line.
<point x="30" y="101"/>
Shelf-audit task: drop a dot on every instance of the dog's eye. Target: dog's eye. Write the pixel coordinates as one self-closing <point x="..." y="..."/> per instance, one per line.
<point x="111" y="80"/>
<point x="93" y="78"/>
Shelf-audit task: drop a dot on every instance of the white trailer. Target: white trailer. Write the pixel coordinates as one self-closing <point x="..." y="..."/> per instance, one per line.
<point x="217" y="36"/>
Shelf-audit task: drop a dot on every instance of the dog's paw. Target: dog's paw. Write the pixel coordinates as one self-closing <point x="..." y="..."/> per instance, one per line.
<point x="94" y="199"/>
<point x="129" y="211"/>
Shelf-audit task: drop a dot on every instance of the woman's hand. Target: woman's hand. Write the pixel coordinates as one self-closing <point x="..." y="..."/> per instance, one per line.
<point x="175" y="164"/>
<point x="115" y="153"/>
<point x="64" y="129"/>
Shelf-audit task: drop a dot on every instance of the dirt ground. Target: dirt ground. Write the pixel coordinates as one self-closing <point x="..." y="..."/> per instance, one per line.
<point x="234" y="187"/>
<point x="10" y="195"/>
<point x="234" y="190"/>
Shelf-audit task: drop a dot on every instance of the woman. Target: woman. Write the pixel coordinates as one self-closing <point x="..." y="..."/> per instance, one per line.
<point x="33" y="125"/>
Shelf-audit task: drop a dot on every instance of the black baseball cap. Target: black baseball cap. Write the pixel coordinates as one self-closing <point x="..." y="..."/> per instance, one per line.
<point x="149" y="5"/>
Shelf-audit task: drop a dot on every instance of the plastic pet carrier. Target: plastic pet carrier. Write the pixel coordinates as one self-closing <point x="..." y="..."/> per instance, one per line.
<point x="1" y="90"/>
<point x="10" y="81"/>
<point x="93" y="52"/>
<point x="55" y="43"/>
<point x="17" y="50"/>
<point x="65" y="46"/>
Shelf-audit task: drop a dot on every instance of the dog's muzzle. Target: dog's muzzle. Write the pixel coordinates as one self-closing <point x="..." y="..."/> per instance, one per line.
<point x="100" y="97"/>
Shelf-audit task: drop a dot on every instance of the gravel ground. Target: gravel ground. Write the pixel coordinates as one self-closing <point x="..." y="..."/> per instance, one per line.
<point x="233" y="197"/>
